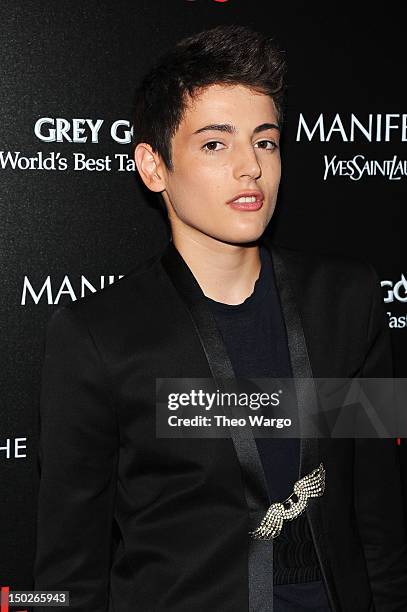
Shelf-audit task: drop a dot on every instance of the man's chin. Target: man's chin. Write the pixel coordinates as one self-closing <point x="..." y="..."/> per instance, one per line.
<point x="241" y="238"/>
<point x="244" y="235"/>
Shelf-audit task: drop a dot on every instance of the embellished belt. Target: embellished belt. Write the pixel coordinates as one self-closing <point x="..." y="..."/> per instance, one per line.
<point x="311" y="485"/>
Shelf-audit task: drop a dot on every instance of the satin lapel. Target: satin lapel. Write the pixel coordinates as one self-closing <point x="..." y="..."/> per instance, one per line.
<point x="300" y="363"/>
<point x="255" y="483"/>
<point x="260" y="553"/>
<point x="307" y="406"/>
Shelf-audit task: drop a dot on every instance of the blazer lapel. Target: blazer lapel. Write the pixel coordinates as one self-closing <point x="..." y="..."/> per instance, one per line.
<point x="300" y="363"/>
<point x="260" y="553"/>
<point x="307" y="408"/>
<point x="221" y="368"/>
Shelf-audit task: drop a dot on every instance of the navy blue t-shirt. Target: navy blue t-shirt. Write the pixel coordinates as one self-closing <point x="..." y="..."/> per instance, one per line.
<point x="255" y="339"/>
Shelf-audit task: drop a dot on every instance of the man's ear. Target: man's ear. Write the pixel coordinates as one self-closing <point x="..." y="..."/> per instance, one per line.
<point x="149" y="166"/>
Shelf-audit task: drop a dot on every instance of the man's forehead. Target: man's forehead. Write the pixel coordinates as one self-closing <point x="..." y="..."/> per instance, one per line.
<point x="219" y="104"/>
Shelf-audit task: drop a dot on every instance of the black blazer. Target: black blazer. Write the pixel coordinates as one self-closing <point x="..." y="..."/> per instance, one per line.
<point x="131" y="523"/>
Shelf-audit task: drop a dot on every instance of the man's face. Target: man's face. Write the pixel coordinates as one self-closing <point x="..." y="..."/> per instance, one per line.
<point x="226" y="148"/>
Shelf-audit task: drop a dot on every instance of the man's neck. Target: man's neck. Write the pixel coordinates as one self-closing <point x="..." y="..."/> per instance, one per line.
<point x="225" y="272"/>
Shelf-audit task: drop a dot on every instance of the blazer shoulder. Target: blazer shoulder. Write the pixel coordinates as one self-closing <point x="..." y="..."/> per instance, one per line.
<point x="131" y="293"/>
<point x="340" y="269"/>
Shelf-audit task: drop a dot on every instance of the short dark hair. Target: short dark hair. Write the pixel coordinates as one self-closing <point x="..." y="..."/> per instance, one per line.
<point x="232" y="54"/>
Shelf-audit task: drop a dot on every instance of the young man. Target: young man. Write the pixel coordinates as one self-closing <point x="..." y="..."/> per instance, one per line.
<point x="129" y="521"/>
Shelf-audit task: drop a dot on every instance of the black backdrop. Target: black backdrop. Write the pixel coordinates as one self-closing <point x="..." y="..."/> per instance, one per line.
<point x="62" y="228"/>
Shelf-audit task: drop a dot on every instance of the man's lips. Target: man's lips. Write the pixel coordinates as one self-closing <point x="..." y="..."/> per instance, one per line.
<point x="247" y="200"/>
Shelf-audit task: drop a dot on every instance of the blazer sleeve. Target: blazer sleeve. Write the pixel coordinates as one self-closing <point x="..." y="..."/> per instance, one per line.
<point x="78" y="461"/>
<point x="377" y="479"/>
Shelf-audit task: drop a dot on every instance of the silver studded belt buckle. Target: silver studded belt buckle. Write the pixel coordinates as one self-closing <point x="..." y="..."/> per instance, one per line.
<point x="311" y="485"/>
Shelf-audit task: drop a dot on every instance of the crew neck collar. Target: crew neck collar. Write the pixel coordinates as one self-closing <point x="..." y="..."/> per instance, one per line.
<point x="260" y="289"/>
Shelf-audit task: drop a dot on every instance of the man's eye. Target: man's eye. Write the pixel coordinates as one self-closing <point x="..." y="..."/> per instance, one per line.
<point x="264" y="144"/>
<point x="211" y="146"/>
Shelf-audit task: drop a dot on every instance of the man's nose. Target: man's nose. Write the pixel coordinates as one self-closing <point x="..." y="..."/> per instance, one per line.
<point x="246" y="163"/>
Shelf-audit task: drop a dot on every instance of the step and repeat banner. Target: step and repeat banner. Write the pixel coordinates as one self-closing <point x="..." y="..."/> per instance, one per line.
<point x="74" y="218"/>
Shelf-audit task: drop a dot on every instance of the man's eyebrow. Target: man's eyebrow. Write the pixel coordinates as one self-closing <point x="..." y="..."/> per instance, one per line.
<point x="266" y="126"/>
<point x="231" y="129"/>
